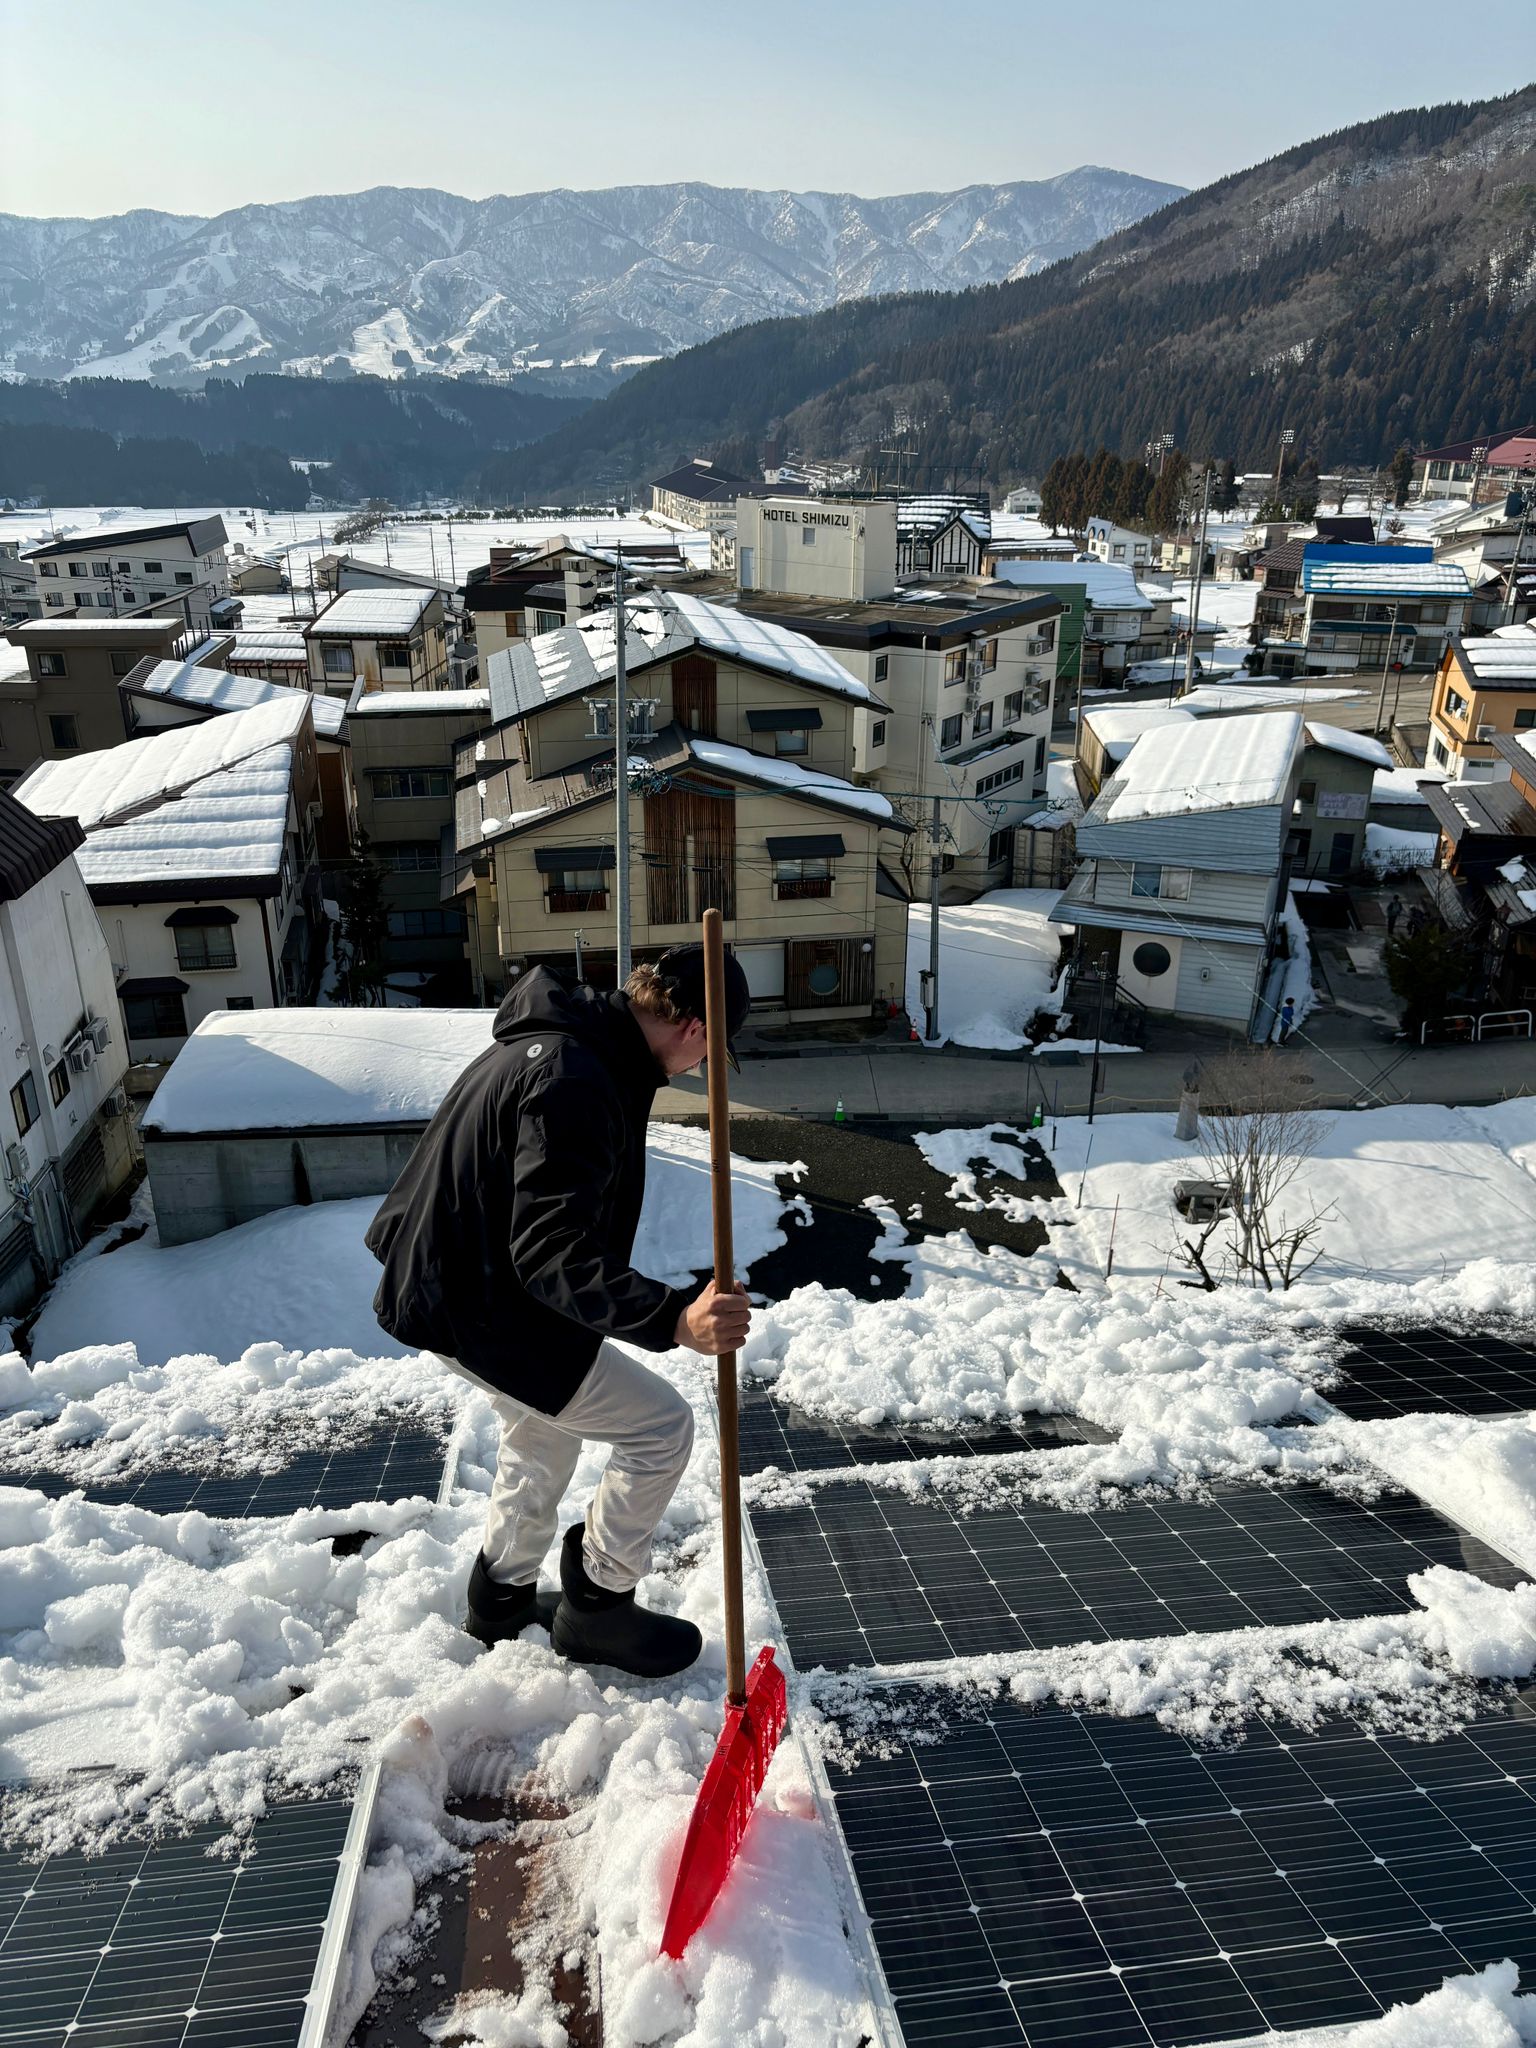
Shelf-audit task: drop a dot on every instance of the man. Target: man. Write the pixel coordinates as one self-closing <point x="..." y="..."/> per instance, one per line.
<point x="1394" y="912"/>
<point x="506" y="1247"/>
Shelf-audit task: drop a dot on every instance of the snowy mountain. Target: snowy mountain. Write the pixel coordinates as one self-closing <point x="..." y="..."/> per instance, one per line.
<point x="392" y="280"/>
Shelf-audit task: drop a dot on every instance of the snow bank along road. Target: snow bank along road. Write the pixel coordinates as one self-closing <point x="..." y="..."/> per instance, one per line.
<point x="1139" y="1697"/>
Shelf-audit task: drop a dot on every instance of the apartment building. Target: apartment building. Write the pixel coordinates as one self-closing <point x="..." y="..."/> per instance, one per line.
<point x="1477" y="470"/>
<point x="1105" y="616"/>
<point x="1107" y="542"/>
<point x="181" y="565"/>
<point x="383" y="639"/>
<point x="59" y="689"/>
<point x="199" y="856"/>
<point x="1352" y="608"/>
<point x="19" y="597"/>
<point x="742" y="740"/>
<point x="1485" y="688"/>
<point x="702" y="495"/>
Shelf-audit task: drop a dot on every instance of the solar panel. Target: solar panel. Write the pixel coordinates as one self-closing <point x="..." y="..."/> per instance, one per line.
<point x="1070" y="1881"/>
<point x="1405" y="1372"/>
<point x="159" y="1946"/>
<point x="794" y="1441"/>
<point x="403" y="1457"/>
<point x="865" y="1575"/>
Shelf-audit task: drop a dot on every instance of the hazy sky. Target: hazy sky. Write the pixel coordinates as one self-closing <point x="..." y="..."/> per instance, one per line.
<point x="194" y="107"/>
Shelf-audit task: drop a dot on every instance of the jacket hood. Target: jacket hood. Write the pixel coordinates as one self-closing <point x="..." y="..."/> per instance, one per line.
<point x="544" y="1002"/>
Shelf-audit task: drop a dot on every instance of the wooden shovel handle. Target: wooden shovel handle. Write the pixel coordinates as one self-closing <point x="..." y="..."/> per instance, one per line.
<point x="725" y="1277"/>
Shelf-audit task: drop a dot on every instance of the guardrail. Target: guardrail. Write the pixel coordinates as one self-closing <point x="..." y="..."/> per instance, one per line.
<point x="1463" y="1028"/>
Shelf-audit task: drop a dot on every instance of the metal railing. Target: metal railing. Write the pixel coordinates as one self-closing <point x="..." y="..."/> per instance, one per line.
<point x="1464" y="1027"/>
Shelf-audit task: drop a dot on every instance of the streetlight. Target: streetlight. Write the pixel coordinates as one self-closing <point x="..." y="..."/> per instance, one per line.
<point x="1287" y="440"/>
<point x="1525" y="494"/>
<point x="1479" y="457"/>
<point x="1165" y="444"/>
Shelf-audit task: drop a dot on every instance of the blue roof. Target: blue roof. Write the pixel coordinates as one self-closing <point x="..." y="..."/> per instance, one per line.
<point x="1348" y="552"/>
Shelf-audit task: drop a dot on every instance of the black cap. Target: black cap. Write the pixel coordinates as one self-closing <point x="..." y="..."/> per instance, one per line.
<point x="681" y="972"/>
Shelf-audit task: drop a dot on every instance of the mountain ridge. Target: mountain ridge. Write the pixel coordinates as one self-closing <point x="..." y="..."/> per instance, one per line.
<point x="411" y="279"/>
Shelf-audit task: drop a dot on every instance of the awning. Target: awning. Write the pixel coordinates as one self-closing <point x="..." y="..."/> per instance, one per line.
<point x="203" y="913"/>
<point x="808" y="846"/>
<point x="559" y="860"/>
<point x="153" y="985"/>
<point x="784" y="721"/>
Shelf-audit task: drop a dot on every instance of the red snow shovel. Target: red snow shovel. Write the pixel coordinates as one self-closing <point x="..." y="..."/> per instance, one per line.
<point x="756" y="1707"/>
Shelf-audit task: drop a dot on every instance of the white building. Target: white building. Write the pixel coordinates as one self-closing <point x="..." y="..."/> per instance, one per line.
<point x="181" y="565"/>
<point x="385" y="639"/>
<point x="1107" y="542"/>
<point x="66" y="1133"/>
<point x="200" y="859"/>
<point x="18" y="586"/>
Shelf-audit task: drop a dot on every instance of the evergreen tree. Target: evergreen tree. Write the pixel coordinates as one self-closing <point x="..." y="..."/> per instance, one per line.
<point x="1224" y="493"/>
<point x="1402" y="475"/>
<point x="1426" y="973"/>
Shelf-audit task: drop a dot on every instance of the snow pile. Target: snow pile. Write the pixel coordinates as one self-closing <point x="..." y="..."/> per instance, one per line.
<point x="1485" y="2010"/>
<point x="1390" y="851"/>
<point x="1297" y="984"/>
<point x="1478" y="1469"/>
<point x="997" y="962"/>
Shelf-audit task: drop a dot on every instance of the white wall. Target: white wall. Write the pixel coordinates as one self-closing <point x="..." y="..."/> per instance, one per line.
<point x="141" y="941"/>
<point x="851" y="551"/>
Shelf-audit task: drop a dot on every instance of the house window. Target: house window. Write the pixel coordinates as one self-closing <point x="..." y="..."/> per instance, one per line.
<point x="1000" y="778"/>
<point x="877" y="733"/>
<point x="240" y="1002"/>
<point x="426" y="924"/>
<point x="1046" y="635"/>
<point x="65" y="733"/>
<point x="159" y="1016"/>
<point x="1456" y="705"/>
<point x="548" y="622"/>
<point x="78" y="569"/>
<point x="1146" y="878"/>
<point x="1175" y="885"/>
<point x="47" y="568"/>
<point x="55" y="598"/>
<point x="183" y="576"/>
<point x="1525" y="718"/>
<point x="203" y="947"/>
<point x="1439" y="753"/>
<point x="1013" y="706"/>
<point x="796" y="879"/>
<point x="394" y="654"/>
<point x="400" y="785"/>
<point x="410" y="856"/>
<point x="123" y="660"/>
<point x="125" y="568"/>
<point x="51" y="664"/>
<point x="572" y="889"/>
<point x="882" y="667"/>
<point x="1118" y="551"/>
<point x="58" y="1083"/>
<point x="101" y="568"/>
<point x="1040" y="755"/>
<point x="153" y="596"/>
<point x="981" y="724"/>
<point x="949" y="731"/>
<point x="797" y="740"/>
<point x="1306" y="792"/>
<point x="24" y="1104"/>
<point x="153" y="569"/>
<point x="989" y="656"/>
<point x="338" y="659"/>
<point x="1434" y="613"/>
<point x="997" y="849"/>
<point x="954" y="666"/>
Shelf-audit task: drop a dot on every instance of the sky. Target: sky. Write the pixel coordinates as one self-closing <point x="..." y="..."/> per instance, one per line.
<point x="193" y="108"/>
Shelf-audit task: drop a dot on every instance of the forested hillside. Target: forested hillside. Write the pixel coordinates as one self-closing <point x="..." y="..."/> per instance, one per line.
<point x="1370" y="287"/>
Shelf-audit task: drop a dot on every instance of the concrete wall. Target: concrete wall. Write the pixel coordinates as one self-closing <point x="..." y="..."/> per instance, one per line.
<point x="87" y="692"/>
<point x="206" y="1184"/>
<point x="817" y="547"/>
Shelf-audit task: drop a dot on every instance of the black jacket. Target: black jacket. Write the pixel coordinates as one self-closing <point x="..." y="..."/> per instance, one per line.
<point x="506" y="1242"/>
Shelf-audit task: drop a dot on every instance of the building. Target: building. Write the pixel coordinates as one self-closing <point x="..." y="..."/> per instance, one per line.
<point x="1476" y="470"/>
<point x="1333" y="799"/>
<point x="403" y="749"/>
<point x="524" y="591"/>
<point x="1483" y="882"/>
<point x="1185" y="870"/>
<point x="1105" y="616"/>
<point x="19" y="598"/>
<point x="702" y="495"/>
<point x="180" y="566"/>
<point x="1485" y="688"/>
<point x="384" y="639"/>
<point x="278" y="655"/>
<point x="1358" y="608"/>
<point x="1107" y="542"/>
<point x="250" y="577"/>
<point x="199" y="856"/>
<point x="68" y="1138"/>
<point x="744" y="801"/>
<point x="59" y="690"/>
<point x="944" y="534"/>
<point x="1024" y="500"/>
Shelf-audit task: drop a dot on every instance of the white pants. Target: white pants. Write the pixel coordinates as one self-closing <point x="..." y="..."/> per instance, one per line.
<point x="620" y="1402"/>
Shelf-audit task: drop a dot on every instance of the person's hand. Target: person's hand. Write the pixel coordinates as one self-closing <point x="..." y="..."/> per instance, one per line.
<point x="716" y="1321"/>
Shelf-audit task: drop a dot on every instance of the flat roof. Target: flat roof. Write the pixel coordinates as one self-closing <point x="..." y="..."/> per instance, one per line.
<point x="881" y="621"/>
<point x="146" y="630"/>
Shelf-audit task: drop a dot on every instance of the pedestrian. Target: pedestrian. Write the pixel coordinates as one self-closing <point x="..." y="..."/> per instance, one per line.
<point x="506" y="1246"/>
<point x="1287" y="1018"/>
<point x="1415" y="922"/>
<point x="1394" y="912"/>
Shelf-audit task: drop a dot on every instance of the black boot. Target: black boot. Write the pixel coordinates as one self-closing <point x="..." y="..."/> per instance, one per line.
<point x="497" y="1613"/>
<point x="594" y="1626"/>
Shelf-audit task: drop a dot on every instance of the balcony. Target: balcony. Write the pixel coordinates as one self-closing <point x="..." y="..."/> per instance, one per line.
<point x="574" y="902"/>
<point x="802" y="890"/>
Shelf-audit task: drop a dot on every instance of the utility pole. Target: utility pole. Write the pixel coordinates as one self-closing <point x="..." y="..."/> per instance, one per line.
<point x="580" y="935"/>
<point x="935" y="865"/>
<point x="1194" y="588"/>
<point x="1381" y="701"/>
<point x="1287" y="437"/>
<point x="621" y="775"/>
<point x="1098" y="1031"/>
<point x="1511" y="601"/>
<point x="452" y="565"/>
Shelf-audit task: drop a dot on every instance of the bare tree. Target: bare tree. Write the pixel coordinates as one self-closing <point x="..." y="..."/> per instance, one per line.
<point x="1255" y="1141"/>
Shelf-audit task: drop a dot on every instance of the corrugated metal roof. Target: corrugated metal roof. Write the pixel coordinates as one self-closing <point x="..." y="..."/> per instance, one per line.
<point x="360" y="614"/>
<point x="1396" y="578"/>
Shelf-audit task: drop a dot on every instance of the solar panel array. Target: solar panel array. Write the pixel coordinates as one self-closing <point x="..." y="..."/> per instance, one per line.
<point x="865" y="1575"/>
<point x="1420" y="1371"/>
<point x="1073" y="1881"/>
<point x="796" y="1442"/>
<point x="161" y="1946"/>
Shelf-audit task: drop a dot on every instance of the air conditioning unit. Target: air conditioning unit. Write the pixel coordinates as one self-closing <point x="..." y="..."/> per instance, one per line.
<point x="99" y="1032"/>
<point x="115" y="1104"/>
<point x="1487" y="732"/>
<point x="973" y="698"/>
<point x="1036" y="647"/>
<point x="17" y="1165"/>
<point x="82" y="1057"/>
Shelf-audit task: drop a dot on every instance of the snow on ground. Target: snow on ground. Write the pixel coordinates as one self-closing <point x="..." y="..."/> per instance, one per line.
<point x="1391" y="851"/>
<point x="997" y="958"/>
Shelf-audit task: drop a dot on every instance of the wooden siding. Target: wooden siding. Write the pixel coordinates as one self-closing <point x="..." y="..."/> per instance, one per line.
<point x="694" y="704"/>
<point x="855" y="973"/>
<point x="1226" y="897"/>
<point x="690" y="831"/>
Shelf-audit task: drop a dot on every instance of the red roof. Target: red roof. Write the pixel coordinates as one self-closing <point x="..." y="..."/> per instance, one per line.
<point x="1505" y="451"/>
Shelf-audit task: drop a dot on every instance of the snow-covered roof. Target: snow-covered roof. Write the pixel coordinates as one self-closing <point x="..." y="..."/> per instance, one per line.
<point x="13" y="665"/>
<point x="533" y="673"/>
<point x="112" y="785"/>
<point x="291" y="1069"/>
<point x="1408" y="577"/>
<point x="1118" y="729"/>
<point x="228" y="826"/>
<point x="408" y="703"/>
<point x="366" y="614"/>
<point x="1225" y="764"/>
<point x="1338" y="740"/>
<point x="269" y="647"/>
<point x="770" y="772"/>
<point x="1401" y="785"/>
<point x="214" y="689"/>
<point x="1503" y="658"/>
<point x="1105" y="585"/>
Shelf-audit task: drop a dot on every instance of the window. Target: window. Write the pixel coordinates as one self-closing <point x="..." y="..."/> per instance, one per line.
<point x="24" y="1104"/>
<point x="1439" y="753"/>
<point x="1525" y="718"/>
<point x="202" y="947"/>
<point x="1146" y="878"/>
<point x="997" y="849"/>
<point x="1456" y="705"/>
<point x="882" y="667"/>
<point x="426" y="924"/>
<point x="410" y="856"/>
<point x="577" y="889"/>
<point x="158" y="1016"/>
<point x="51" y="664"/>
<point x="877" y="733"/>
<point x="981" y="724"/>
<point x="1040" y="755"/>
<point x="797" y="879"/>
<point x="47" y="568"/>
<point x="1175" y="885"/>
<point x="807" y="536"/>
<point x="101" y="568"/>
<point x="123" y="660"/>
<point x="399" y="785"/>
<point x="512" y="624"/>
<point x="1000" y="778"/>
<point x="153" y="596"/>
<point x="795" y="741"/>
<point x="1045" y="636"/>
<point x="58" y="1082"/>
<point x="240" y="1002"/>
<point x="1118" y="551"/>
<point x="1434" y="613"/>
<point x="1013" y="706"/>
<point x="988" y="656"/>
<point x="949" y="731"/>
<point x="1306" y="792"/>
<point x="394" y="654"/>
<point x="954" y="666"/>
<point x="62" y="727"/>
<point x="338" y="659"/>
<point x="78" y="569"/>
<point x="548" y="622"/>
<point x="153" y="569"/>
<point x="183" y="576"/>
<point x="125" y="568"/>
<point x="54" y="597"/>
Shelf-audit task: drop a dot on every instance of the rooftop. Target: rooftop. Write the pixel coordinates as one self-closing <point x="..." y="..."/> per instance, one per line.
<point x="1490" y="810"/>
<point x="1505" y="450"/>
<point x="1502" y="661"/>
<point x="909" y="616"/>
<point x="202" y="536"/>
<point x="366" y="614"/>
<point x="1118" y="729"/>
<point x="31" y="847"/>
<point x="228" y="828"/>
<point x="147" y="631"/>
<point x="418" y="703"/>
<point x="282" y="647"/>
<point x="214" y="689"/>
<point x="1105" y="585"/>
<point x="1385" y="571"/>
<point x="700" y="480"/>
<point x="1337" y="739"/>
<point x="1224" y="764"/>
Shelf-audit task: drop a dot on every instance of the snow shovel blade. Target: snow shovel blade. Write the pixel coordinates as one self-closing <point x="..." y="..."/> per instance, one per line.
<point x="725" y="1801"/>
